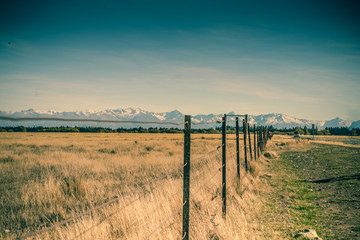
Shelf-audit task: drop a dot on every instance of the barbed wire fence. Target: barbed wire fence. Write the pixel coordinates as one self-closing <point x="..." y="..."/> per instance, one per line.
<point x="261" y="136"/>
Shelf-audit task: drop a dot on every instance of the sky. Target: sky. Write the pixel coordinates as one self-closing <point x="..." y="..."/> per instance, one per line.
<point x="300" y="58"/>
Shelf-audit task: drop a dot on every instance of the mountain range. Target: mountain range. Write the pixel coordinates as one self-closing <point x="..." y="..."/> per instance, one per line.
<point x="278" y="120"/>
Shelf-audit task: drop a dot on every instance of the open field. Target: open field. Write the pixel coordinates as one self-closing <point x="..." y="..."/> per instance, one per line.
<point x="49" y="177"/>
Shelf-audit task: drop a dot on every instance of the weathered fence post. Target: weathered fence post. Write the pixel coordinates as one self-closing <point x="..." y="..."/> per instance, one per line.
<point x="224" y="166"/>
<point x="266" y="135"/>
<point x="260" y="139"/>
<point x="186" y="188"/>
<point x="264" y="138"/>
<point x="255" y="142"/>
<point x="237" y="148"/>
<point x="250" y="151"/>
<point x="245" y="149"/>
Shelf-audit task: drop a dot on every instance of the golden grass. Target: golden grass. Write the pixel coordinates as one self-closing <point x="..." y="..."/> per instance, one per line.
<point x="49" y="177"/>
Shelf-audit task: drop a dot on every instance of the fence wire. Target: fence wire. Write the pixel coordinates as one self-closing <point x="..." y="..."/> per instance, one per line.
<point x="122" y="208"/>
<point x="208" y="203"/>
<point x="204" y="123"/>
<point x="116" y="198"/>
<point x="46" y="229"/>
<point x="15" y="119"/>
<point x="84" y="120"/>
<point x="207" y="181"/>
<point x="205" y="157"/>
<point x="165" y="221"/>
<point x="149" y="183"/>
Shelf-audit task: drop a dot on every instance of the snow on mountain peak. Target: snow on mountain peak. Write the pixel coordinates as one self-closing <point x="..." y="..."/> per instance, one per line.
<point x="278" y="120"/>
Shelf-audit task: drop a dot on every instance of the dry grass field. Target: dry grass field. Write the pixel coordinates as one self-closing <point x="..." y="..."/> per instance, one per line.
<point x="46" y="178"/>
<point x="50" y="177"/>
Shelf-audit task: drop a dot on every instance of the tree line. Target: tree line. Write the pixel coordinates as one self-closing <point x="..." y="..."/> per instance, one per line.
<point x="340" y="131"/>
<point x="344" y="131"/>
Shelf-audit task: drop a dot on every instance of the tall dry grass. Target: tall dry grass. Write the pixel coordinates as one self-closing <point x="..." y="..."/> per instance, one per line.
<point x="50" y="177"/>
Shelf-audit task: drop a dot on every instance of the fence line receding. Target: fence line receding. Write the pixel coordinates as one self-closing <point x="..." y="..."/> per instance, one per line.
<point x="261" y="137"/>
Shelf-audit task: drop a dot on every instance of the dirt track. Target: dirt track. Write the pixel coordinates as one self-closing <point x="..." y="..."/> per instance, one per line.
<point x="336" y="144"/>
<point x="334" y="171"/>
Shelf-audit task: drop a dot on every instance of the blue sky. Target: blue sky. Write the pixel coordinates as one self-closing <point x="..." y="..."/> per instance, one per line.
<point x="300" y="58"/>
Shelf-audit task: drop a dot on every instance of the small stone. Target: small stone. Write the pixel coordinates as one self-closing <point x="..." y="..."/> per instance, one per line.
<point x="266" y="175"/>
<point x="308" y="234"/>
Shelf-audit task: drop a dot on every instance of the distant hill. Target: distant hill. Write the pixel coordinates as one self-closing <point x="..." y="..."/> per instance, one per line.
<point x="355" y="124"/>
<point x="278" y="120"/>
<point x="337" y="122"/>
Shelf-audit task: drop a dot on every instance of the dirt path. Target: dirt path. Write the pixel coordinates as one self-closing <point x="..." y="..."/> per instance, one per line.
<point x="328" y="174"/>
<point x="336" y="143"/>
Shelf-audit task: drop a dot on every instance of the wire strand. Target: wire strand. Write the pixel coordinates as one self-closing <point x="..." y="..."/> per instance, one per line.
<point x="211" y="122"/>
<point x="165" y="221"/>
<point x="115" y="198"/>
<point x="207" y="181"/>
<point x="91" y="210"/>
<point x="207" y="204"/>
<point x="203" y="158"/>
<point x="212" y="221"/>
<point x="118" y="210"/>
<point x="83" y="120"/>
<point x="139" y="220"/>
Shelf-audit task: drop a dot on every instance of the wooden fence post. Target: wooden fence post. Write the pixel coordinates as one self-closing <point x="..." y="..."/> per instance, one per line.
<point x="264" y="138"/>
<point x="186" y="187"/>
<point x="260" y="139"/>
<point x="224" y="166"/>
<point x="245" y="148"/>
<point x="255" y="142"/>
<point x="250" y="151"/>
<point x="258" y="142"/>
<point x="266" y="135"/>
<point x="237" y="148"/>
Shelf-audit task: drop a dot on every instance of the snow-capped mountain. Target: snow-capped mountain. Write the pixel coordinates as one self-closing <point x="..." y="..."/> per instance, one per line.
<point x="337" y="122"/>
<point x="278" y="120"/>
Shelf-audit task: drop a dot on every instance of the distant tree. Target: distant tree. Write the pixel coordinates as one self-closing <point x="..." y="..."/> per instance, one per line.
<point x="154" y="130"/>
<point x="339" y="131"/>
<point x="306" y="131"/>
<point x="324" y="132"/>
<point x="353" y="133"/>
<point x="298" y="129"/>
<point x="271" y="128"/>
<point x="143" y="130"/>
<point x="20" y="129"/>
